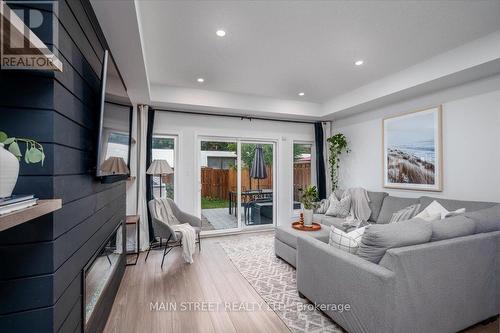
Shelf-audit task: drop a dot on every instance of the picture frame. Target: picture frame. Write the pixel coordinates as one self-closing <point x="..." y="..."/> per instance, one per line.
<point x="412" y="146"/>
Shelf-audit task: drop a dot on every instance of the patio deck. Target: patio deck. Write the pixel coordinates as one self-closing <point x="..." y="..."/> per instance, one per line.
<point x="217" y="219"/>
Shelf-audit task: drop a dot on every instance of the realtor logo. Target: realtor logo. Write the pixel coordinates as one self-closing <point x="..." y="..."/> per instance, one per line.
<point x="27" y="27"/>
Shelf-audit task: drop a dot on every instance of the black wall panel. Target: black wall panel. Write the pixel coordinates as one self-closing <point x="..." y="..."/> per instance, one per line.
<point x="41" y="261"/>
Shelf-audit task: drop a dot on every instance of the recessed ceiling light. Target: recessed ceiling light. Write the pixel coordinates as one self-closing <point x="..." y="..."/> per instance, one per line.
<point x="301" y="94"/>
<point x="220" y="33"/>
<point x="200" y="79"/>
<point x="359" y="62"/>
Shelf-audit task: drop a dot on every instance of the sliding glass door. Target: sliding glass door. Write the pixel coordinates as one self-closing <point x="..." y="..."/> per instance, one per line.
<point x="236" y="182"/>
<point x="257" y="194"/>
<point x="218" y="184"/>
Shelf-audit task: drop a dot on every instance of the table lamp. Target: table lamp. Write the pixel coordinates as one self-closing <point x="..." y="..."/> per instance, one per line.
<point x="115" y="165"/>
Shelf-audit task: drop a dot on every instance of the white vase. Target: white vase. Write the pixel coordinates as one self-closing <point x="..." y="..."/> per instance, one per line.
<point x="9" y="170"/>
<point x="308" y="216"/>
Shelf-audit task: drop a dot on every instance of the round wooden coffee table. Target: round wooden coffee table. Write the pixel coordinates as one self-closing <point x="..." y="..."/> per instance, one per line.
<point x="300" y="226"/>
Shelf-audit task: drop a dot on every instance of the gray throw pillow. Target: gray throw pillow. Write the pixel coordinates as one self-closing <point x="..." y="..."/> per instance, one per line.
<point x="405" y="213"/>
<point x="378" y="238"/>
<point x="322" y="206"/>
<point x="339" y="193"/>
<point x="339" y="208"/>
<point x="457" y="226"/>
<point x="487" y="220"/>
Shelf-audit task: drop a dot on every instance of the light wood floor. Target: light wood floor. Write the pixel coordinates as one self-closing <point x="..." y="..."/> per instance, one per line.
<point x="211" y="278"/>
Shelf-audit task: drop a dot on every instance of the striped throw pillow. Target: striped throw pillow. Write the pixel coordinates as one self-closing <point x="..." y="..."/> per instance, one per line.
<point x="346" y="241"/>
<point x="405" y="213"/>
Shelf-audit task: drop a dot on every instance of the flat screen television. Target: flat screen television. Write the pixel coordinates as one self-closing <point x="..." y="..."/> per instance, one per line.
<point x="115" y="125"/>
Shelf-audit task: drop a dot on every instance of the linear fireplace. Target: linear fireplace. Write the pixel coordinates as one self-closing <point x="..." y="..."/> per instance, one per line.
<point x="99" y="282"/>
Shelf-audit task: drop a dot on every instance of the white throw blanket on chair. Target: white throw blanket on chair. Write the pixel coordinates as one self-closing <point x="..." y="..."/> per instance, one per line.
<point x="188" y="239"/>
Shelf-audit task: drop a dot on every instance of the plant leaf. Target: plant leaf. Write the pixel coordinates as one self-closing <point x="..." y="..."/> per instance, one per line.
<point x="8" y="141"/>
<point x="3" y="136"/>
<point x="26" y="155"/>
<point x="14" y="149"/>
<point x="34" y="155"/>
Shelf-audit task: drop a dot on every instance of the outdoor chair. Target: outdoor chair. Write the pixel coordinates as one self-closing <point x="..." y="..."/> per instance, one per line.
<point x="253" y="210"/>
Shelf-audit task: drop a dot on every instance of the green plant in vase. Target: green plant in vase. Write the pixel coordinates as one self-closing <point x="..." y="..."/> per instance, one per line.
<point x="337" y="145"/>
<point x="10" y="155"/>
<point x="309" y="200"/>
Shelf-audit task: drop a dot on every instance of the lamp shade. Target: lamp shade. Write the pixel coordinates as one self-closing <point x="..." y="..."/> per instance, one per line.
<point x="115" y="165"/>
<point x="159" y="167"/>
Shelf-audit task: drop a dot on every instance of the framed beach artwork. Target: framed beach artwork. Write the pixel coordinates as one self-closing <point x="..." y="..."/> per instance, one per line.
<point x="413" y="150"/>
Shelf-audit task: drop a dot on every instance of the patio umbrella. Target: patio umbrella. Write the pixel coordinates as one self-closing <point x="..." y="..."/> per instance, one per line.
<point x="258" y="170"/>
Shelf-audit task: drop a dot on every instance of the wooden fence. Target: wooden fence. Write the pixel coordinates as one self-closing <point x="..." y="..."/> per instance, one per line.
<point x="217" y="183"/>
<point x="301" y="177"/>
<point x="214" y="183"/>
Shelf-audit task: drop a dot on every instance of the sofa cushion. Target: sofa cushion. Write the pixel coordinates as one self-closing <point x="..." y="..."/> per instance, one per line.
<point x="317" y="217"/>
<point x="329" y="221"/>
<point x="288" y="235"/>
<point x="377" y="238"/>
<point x="487" y="220"/>
<point x="452" y="205"/>
<point x="457" y="226"/>
<point x="376" y="200"/>
<point x="393" y="204"/>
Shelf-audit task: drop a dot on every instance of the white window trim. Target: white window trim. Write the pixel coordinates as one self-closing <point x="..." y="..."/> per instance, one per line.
<point x="293" y="213"/>
<point x="174" y="136"/>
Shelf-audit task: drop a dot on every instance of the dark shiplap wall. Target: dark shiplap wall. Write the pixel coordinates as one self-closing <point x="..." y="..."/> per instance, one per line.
<point x="41" y="261"/>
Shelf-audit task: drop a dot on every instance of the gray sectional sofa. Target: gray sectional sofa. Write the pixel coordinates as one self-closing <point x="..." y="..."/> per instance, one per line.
<point x="438" y="286"/>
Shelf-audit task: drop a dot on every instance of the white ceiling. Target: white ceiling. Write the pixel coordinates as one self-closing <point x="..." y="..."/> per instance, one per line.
<point x="276" y="49"/>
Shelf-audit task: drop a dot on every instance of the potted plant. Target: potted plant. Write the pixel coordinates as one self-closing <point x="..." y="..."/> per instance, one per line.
<point x="309" y="200"/>
<point x="10" y="155"/>
<point x="337" y="145"/>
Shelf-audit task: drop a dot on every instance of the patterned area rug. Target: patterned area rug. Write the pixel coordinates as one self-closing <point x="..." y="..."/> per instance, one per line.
<point x="275" y="281"/>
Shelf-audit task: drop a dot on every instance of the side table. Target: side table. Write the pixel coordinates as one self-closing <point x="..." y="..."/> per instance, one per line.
<point x="132" y="219"/>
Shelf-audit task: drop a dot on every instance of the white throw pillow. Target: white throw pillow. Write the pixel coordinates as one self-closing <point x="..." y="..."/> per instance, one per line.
<point x="339" y="208"/>
<point x="456" y="212"/>
<point x="436" y="208"/>
<point x="346" y="241"/>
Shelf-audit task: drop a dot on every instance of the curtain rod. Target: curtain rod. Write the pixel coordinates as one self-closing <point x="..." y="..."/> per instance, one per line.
<point x="234" y="116"/>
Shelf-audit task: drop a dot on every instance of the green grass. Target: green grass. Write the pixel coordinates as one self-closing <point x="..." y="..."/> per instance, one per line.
<point x="209" y="203"/>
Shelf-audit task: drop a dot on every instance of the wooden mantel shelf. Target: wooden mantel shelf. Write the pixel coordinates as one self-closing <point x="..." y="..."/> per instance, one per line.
<point x="43" y="207"/>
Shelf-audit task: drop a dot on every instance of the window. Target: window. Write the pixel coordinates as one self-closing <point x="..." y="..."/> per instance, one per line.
<point x="302" y="168"/>
<point x="164" y="149"/>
